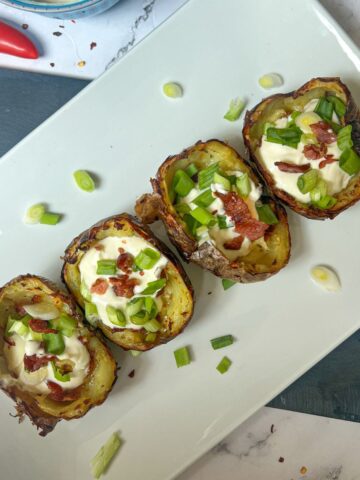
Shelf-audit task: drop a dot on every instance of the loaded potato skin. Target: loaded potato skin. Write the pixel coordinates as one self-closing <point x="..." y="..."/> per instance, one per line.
<point x="51" y="365"/>
<point x="145" y="300"/>
<point x="235" y="244"/>
<point x="318" y="176"/>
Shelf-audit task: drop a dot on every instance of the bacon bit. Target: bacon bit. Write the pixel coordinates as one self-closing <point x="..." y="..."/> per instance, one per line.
<point x="121" y="250"/>
<point x="234" y="244"/>
<point x="132" y="374"/>
<point x="292" y="168"/>
<point x="315" y="152"/>
<point x="323" y="132"/>
<point x="99" y="287"/>
<point x="239" y="212"/>
<point x="124" y="262"/>
<point x="20" y="310"/>
<point x="33" y="362"/>
<point x="9" y="342"/>
<point x="36" y="299"/>
<point x="99" y="247"/>
<point x="123" y="286"/>
<point x="328" y="159"/>
<point x="58" y="394"/>
<point x="40" y="326"/>
<point x="142" y="273"/>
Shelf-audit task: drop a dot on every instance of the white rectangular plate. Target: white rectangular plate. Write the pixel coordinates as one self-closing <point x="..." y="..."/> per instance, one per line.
<point x="121" y="127"/>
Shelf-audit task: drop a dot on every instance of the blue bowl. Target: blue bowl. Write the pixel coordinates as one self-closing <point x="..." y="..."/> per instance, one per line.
<point x="68" y="11"/>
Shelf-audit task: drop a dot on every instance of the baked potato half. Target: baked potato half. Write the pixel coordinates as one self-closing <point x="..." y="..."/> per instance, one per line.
<point x="306" y="145"/>
<point x="212" y="205"/>
<point x="51" y="365"/>
<point x="129" y="283"/>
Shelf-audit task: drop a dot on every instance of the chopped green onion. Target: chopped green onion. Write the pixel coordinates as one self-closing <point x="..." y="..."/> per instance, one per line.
<point x="206" y="176"/>
<point x="350" y="162"/>
<point x="224" y="182"/>
<point x="285" y="136"/>
<point x="324" y="109"/>
<point x="91" y="313"/>
<point x="154" y="286"/>
<point x="191" y="169"/>
<point x="173" y="90"/>
<point x="58" y="375"/>
<point x="266" y="214"/>
<point x="221" y="342"/>
<point x="25" y="320"/>
<point x="205" y="199"/>
<point x="102" y="459"/>
<point x="293" y="117"/>
<point x="147" y="258"/>
<point x="182" y="357"/>
<point x="152" y="326"/>
<point x="243" y="185"/>
<point x="34" y="213"/>
<point x="150" y="337"/>
<point x="140" y="318"/>
<point x="85" y="292"/>
<point x="48" y="218"/>
<point x="116" y="316"/>
<point x="344" y="140"/>
<point x="17" y="326"/>
<point x="36" y="336"/>
<point x="326" y="202"/>
<point x="202" y="215"/>
<point x="150" y="307"/>
<point x="307" y="181"/>
<point x="224" y="365"/>
<point x="221" y="219"/>
<point x="266" y="126"/>
<point x="191" y="223"/>
<point x="9" y="324"/>
<point x="339" y="105"/>
<point x="182" y="183"/>
<point x="235" y="108"/>
<point x="84" y="180"/>
<point x="134" y="306"/>
<point x="106" y="267"/>
<point x="202" y="231"/>
<point x="319" y="191"/>
<point x="135" y="353"/>
<point x="65" y="324"/>
<point x="182" y="208"/>
<point x="308" y="139"/>
<point x="227" y="283"/>
<point x="54" y="343"/>
<point x="270" y="80"/>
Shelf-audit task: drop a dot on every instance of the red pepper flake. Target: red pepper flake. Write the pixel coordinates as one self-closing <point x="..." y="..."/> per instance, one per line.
<point x="93" y="45"/>
<point x="57" y="34"/>
<point x="24" y="26"/>
<point x="99" y="286"/>
<point x="52" y="64"/>
<point x="281" y="460"/>
<point x="132" y="374"/>
<point x="328" y="159"/>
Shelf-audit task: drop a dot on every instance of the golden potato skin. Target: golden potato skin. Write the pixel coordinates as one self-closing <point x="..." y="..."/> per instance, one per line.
<point x="266" y="110"/>
<point x="43" y="412"/>
<point x="178" y="293"/>
<point x="257" y="265"/>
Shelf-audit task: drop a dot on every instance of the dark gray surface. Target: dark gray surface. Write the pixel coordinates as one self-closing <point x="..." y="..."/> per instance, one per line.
<point x="331" y="388"/>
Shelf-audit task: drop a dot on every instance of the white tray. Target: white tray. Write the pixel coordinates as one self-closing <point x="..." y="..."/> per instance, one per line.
<point x="121" y="127"/>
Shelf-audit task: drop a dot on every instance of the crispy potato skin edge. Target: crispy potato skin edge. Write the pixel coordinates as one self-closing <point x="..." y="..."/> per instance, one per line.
<point x="352" y="115"/>
<point x="25" y="404"/>
<point x="207" y="256"/>
<point x="81" y="242"/>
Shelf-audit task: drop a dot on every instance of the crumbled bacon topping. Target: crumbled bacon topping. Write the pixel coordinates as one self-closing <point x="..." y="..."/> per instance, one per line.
<point x="328" y="159"/>
<point x="123" y="286"/>
<point x="125" y="262"/>
<point x="34" y="362"/>
<point x="99" y="286"/>
<point x="58" y="394"/>
<point x="323" y="132"/>
<point x="20" y="310"/>
<point x="40" y="326"/>
<point x="315" y="152"/>
<point x="292" y="167"/>
<point x="234" y="244"/>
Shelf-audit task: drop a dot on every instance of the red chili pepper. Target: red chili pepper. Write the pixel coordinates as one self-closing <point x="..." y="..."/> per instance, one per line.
<point x="13" y="42"/>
